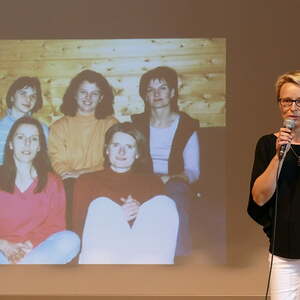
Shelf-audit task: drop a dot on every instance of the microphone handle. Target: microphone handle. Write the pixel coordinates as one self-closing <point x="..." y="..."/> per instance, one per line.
<point x="290" y="124"/>
<point x="282" y="151"/>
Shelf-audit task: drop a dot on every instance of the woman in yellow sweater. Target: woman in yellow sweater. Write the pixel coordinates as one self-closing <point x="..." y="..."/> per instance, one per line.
<point x="76" y="141"/>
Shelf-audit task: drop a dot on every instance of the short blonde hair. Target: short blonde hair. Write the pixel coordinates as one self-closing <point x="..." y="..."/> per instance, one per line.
<point x="293" y="77"/>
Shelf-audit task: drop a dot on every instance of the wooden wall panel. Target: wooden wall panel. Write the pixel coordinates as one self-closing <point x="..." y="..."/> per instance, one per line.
<point x="200" y="64"/>
<point x="91" y="49"/>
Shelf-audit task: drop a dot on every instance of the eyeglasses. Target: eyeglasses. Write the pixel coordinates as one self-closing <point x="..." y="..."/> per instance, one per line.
<point x="286" y="102"/>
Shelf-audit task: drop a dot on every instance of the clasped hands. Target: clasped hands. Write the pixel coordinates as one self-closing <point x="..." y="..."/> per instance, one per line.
<point x="130" y="207"/>
<point x="14" y="252"/>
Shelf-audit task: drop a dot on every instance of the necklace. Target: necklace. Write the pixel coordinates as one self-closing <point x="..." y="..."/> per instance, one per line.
<point x="296" y="155"/>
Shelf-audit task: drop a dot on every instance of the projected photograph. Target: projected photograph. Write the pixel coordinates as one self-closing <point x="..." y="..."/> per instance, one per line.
<point x="113" y="151"/>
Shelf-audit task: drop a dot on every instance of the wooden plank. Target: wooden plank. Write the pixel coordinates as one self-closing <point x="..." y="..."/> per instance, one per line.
<point x="111" y="68"/>
<point x="95" y="49"/>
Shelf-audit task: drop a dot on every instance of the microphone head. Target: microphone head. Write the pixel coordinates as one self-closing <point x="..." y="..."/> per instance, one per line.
<point x="289" y="123"/>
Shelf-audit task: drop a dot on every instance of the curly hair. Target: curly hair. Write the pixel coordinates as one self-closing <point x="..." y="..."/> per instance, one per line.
<point x="69" y="106"/>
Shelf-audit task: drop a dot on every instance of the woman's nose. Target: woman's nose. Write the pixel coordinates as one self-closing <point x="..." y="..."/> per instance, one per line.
<point x="122" y="150"/>
<point x="27" y="141"/>
<point x="28" y="98"/>
<point x="294" y="106"/>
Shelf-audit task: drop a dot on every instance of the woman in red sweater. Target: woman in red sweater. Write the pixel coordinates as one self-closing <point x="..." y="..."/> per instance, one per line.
<point x="129" y="220"/>
<point x="32" y="201"/>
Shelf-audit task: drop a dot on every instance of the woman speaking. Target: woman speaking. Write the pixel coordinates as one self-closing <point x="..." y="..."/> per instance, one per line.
<point x="285" y="245"/>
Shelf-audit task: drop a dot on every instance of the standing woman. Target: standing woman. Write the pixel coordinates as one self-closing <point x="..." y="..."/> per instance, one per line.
<point x="76" y="140"/>
<point x="128" y="220"/>
<point x="32" y="201"/>
<point x="285" y="279"/>
<point x="172" y="143"/>
<point x="23" y="98"/>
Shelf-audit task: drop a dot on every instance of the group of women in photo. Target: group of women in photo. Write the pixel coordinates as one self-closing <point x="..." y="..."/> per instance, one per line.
<point x="90" y="188"/>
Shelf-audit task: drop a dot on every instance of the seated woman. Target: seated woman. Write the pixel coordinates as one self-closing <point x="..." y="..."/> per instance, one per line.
<point x="24" y="97"/>
<point x="76" y="140"/>
<point x="172" y="143"/>
<point x="32" y="201"/>
<point x="129" y="220"/>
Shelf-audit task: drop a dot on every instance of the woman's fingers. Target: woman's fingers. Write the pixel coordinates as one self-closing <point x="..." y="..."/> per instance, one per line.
<point x="16" y="251"/>
<point x="27" y="247"/>
<point x="130" y="210"/>
<point x="28" y="244"/>
<point x="130" y="200"/>
<point x="17" y="255"/>
<point x="285" y="136"/>
<point x="131" y="206"/>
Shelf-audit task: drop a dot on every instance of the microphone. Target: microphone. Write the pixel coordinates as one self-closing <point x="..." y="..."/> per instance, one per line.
<point x="290" y="124"/>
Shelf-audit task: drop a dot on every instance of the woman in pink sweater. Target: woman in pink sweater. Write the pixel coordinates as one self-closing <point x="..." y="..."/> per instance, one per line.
<point x="32" y="202"/>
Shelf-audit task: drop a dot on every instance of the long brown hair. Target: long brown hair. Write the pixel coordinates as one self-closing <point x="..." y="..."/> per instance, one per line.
<point x="69" y="106"/>
<point x="41" y="161"/>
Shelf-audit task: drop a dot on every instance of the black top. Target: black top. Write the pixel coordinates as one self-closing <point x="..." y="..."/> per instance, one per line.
<point x="287" y="239"/>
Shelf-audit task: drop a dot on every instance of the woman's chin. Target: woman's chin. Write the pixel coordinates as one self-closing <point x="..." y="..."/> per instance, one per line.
<point x="120" y="169"/>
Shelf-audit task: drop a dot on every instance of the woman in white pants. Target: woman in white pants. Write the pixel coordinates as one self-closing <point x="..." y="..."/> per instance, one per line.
<point x="285" y="240"/>
<point x="129" y="221"/>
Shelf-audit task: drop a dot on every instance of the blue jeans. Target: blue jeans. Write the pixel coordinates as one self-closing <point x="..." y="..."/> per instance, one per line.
<point x="181" y="193"/>
<point x="59" y="248"/>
